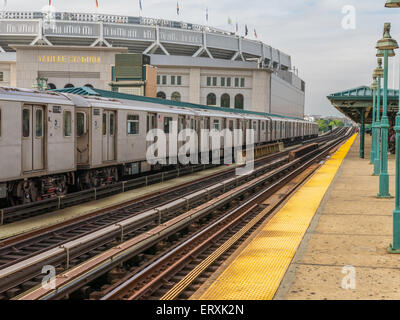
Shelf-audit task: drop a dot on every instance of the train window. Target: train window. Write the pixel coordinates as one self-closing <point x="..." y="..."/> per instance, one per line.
<point x="191" y="123"/>
<point x="263" y="125"/>
<point x="207" y="123"/>
<point x="255" y="126"/>
<point x="133" y="124"/>
<point x="104" y="124"/>
<point x="39" y="123"/>
<point x="231" y="125"/>
<point x="216" y="124"/>
<point x="112" y="123"/>
<point x="181" y="123"/>
<point x="26" y="114"/>
<point x="67" y="123"/>
<point x="80" y="124"/>
<point x="167" y="124"/>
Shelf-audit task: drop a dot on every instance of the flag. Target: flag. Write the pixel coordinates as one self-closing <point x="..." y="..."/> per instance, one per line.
<point x="97" y="3"/>
<point x="237" y="26"/>
<point x="255" y="33"/>
<point x="49" y="2"/>
<point x="5" y="3"/>
<point x="229" y="20"/>
<point x="177" y="8"/>
<point x="206" y="14"/>
<point x="246" y="31"/>
<point x="140" y="5"/>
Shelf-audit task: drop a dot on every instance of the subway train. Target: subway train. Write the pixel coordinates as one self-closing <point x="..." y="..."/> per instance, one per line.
<point x="52" y="142"/>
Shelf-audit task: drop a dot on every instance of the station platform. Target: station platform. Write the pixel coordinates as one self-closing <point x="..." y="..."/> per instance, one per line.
<point x="328" y="241"/>
<point x="57" y="217"/>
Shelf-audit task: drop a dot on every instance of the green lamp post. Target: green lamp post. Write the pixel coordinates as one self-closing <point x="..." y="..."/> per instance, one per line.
<point x="374" y="87"/>
<point x="379" y="74"/>
<point x="395" y="246"/>
<point x="385" y="44"/>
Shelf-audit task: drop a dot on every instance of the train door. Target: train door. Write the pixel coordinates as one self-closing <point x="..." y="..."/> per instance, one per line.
<point x="151" y="123"/>
<point x="197" y="128"/>
<point x="33" y="143"/>
<point x="108" y="135"/>
<point x="82" y="135"/>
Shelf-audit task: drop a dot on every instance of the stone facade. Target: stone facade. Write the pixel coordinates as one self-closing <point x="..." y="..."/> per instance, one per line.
<point x="190" y="79"/>
<point x="64" y="66"/>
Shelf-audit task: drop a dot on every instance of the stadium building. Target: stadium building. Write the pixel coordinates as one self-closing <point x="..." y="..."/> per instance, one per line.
<point x="195" y="63"/>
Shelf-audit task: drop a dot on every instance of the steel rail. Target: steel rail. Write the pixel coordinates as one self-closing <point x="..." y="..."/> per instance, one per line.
<point x="152" y="237"/>
<point x="244" y="209"/>
<point x="28" y="268"/>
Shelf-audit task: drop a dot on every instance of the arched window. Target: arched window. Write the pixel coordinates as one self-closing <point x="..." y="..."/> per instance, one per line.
<point x="69" y="85"/>
<point x="51" y="86"/>
<point x="211" y="99"/>
<point x="225" y="101"/>
<point x="176" y="96"/>
<point x="239" y="101"/>
<point x="89" y="86"/>
<point x="161" y="95"/>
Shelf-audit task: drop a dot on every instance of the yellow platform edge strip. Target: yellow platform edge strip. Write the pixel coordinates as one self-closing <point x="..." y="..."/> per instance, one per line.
<point x="256" y="273"/>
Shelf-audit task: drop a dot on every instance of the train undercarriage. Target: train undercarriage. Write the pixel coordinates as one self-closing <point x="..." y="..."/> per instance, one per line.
<point x="39" y="188"/>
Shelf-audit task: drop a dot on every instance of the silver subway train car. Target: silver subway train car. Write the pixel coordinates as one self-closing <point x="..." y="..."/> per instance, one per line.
<point x="51" y="142"/>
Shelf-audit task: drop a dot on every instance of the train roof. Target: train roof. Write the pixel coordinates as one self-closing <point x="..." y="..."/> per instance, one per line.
<point x="33" y="96"/>
<point x="88" y="97"/>
<point x="86" y="91"/>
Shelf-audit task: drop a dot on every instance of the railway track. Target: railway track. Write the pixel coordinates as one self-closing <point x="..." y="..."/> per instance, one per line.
<point x="21" y="212"/>
<point x="178" y="274"/>
<point x="23" y="274"/>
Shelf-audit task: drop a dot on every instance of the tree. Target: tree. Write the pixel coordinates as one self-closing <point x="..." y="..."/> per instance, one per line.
<point x="323" y="125"/>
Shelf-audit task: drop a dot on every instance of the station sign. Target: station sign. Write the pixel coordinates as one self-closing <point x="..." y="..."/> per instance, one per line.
<point x="69" y="59"/>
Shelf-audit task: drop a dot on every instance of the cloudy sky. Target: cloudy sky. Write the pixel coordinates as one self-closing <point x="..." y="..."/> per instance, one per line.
<point x="329" y="57"/>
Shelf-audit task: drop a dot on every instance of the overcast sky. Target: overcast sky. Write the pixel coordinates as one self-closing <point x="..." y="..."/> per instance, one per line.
<point x="329" y="57"/>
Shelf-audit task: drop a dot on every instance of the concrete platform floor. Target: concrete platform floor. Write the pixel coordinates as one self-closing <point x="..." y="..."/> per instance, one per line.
<point x="345" y="245"/>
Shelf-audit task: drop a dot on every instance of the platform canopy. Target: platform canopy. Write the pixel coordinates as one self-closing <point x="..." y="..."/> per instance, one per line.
<point x="351" y="103"/>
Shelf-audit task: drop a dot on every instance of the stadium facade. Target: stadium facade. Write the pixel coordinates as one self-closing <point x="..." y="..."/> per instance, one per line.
<point x="195" y="63"/>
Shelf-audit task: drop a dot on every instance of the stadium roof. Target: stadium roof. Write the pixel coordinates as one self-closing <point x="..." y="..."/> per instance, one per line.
<point x="138" y="34"/>
<point x="350" y="102"/>
<point x="86" y="91"/>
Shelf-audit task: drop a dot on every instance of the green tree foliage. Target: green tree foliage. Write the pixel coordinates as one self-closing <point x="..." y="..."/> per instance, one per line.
<point x="324" y="124"/>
